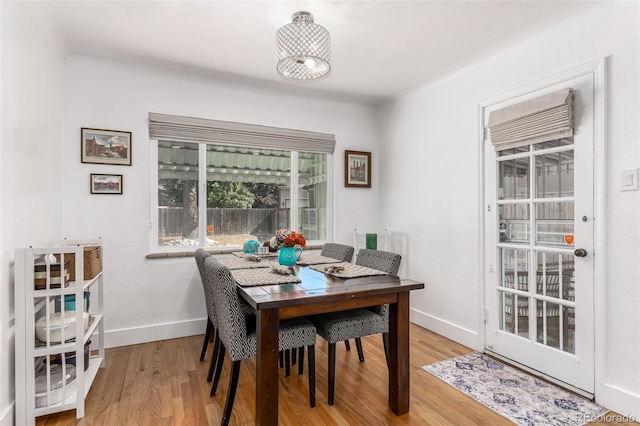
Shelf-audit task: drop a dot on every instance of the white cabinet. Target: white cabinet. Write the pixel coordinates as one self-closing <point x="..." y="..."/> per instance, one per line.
<point x="59" y="318"/>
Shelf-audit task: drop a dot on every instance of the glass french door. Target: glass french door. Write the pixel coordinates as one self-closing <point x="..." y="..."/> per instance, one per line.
<point x="539" y="241"/>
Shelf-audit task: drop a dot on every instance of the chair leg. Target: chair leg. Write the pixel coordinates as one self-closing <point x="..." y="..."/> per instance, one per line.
<point x="359" y="348"/>
<point x="293" y="356"/>
<point x="214" y="357"/>
<point x="287" y="366"/>
<point x="205" y="343"/>
<point x="385" y="343"/>
<point x="219" y="363"/>
<point x="300" y="360"/>
<point x="231" y="396"/>
<point x="312" y="374"/>
<point x="332" y="371"/>
<point x="281" y="358"/>
<point x="347" y="345"/>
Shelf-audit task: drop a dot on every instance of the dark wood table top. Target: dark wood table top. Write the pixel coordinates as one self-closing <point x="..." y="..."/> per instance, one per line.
<point x="318" y="288"/>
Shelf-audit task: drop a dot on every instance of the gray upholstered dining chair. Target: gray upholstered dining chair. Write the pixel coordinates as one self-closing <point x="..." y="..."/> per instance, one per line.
<point x="200" y="256"/>
<point x="357" y="323"/>
<point x="338" y="251"/>
<point x="382" y="261"/>
<point x="339" y="326"/>
<point x="238" y="334"/>
<point x="344" y="253"/>
<point x="211" y="332"/>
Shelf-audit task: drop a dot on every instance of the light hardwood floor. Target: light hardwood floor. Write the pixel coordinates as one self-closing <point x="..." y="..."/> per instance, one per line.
<point x="164" y="383"/>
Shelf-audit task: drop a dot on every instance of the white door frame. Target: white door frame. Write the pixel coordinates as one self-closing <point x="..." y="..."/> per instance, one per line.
<point x="598" y="69"/>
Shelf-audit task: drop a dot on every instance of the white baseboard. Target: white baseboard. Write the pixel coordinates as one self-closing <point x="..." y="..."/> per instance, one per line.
<point x="6" y="419"/>
<point x="152" y="333"/>
<point x="447" y="329"/>
<point x="172" y="330"/>
<point x="620" y="401"/>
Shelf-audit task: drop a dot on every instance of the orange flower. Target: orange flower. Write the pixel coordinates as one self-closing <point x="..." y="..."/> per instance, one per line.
<point x="287" y="238"/>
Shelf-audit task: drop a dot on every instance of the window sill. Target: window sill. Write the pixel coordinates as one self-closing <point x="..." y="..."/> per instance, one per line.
<point x="191" y="253"/>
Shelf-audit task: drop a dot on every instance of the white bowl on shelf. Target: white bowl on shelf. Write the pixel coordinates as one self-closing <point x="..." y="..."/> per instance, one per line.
<point x="55" y="326"/>
<point x="57" y="393"/>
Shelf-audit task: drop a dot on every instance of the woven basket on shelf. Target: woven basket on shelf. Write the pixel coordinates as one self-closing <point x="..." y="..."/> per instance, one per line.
<point x="92" y="262"/>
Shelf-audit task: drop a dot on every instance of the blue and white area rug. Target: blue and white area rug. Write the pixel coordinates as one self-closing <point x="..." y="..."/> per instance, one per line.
<point x="523" y="399"/>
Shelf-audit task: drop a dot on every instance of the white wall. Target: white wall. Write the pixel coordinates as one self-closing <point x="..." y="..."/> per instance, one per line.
<point x="431" y="137"/>
<point x="30" y="154"/>
<point x="158" y="299"/>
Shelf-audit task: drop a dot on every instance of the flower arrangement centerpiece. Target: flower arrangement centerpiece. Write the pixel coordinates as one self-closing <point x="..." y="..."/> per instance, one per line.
<point x="287" y="238"/>
<point x="289" y="244"/>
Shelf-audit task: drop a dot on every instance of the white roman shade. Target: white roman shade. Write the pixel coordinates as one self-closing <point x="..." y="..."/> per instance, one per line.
<point x="190" y="129"/>
<point x="540" y="119"/>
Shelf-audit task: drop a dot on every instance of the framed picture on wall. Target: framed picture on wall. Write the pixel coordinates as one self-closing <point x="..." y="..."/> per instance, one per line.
<point x="106" y="184"/>
<point x="100" y="146"/>
<point x="357" y="169"/>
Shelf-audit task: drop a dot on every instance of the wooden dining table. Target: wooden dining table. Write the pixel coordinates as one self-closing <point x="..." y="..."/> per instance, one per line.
<point x="319" y="293"/>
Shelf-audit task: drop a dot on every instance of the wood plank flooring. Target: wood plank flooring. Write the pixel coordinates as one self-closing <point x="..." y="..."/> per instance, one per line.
<point x="164" y="383"/>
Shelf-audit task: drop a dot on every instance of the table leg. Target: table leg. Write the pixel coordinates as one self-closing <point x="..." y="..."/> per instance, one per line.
<point x="267" y="327"/>
<point x="399" y="355"/>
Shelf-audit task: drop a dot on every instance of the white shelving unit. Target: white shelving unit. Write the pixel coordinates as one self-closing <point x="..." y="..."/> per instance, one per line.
<point x="34" y="355"/>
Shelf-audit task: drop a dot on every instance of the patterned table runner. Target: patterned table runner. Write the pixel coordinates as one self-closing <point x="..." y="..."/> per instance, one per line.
<point x="242" y="263"/>
<point x="346" y="270"/>
<point x="315" y="259"/>
<point x="261" y="276"/>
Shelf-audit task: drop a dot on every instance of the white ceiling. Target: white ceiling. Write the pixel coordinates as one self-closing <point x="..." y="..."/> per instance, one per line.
<point x="380" y="49"/>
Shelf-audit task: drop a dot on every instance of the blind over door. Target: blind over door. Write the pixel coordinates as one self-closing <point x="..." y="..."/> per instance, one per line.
<point x="190" y="129"/>
<point x="540" y="119"/>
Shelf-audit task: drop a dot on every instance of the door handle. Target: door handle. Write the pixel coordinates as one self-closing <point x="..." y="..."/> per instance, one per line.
<point x="580" y="252"/>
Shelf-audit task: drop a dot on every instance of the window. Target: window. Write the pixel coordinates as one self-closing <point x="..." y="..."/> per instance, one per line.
<point x="213" y="195"/>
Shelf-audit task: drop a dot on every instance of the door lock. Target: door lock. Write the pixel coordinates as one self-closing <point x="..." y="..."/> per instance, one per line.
<point x="580" y="252"/>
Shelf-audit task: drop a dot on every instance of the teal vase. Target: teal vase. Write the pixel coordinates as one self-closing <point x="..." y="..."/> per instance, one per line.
<point x="287" y="256"/>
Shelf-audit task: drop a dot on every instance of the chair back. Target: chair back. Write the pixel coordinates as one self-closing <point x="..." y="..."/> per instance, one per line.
<point x="201" y="255"/>
<point x="381" y="260"/>
<point x="232" y="323"/>
<point x="338" y="251"/>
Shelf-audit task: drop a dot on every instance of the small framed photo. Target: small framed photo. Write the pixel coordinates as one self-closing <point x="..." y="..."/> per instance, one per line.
<point x="105" y="147"/>
<point x="357" y="169"/>
<point x="106" y="184"/>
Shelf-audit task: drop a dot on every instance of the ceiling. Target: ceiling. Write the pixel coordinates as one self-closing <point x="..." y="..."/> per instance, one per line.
<point x="380" y="49"/>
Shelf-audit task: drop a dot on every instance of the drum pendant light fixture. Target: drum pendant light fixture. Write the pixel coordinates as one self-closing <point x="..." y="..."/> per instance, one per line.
<point x="304" y="49"/>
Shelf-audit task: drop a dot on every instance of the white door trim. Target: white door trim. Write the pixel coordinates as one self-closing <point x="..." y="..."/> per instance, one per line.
<point x="598" y="69"/>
